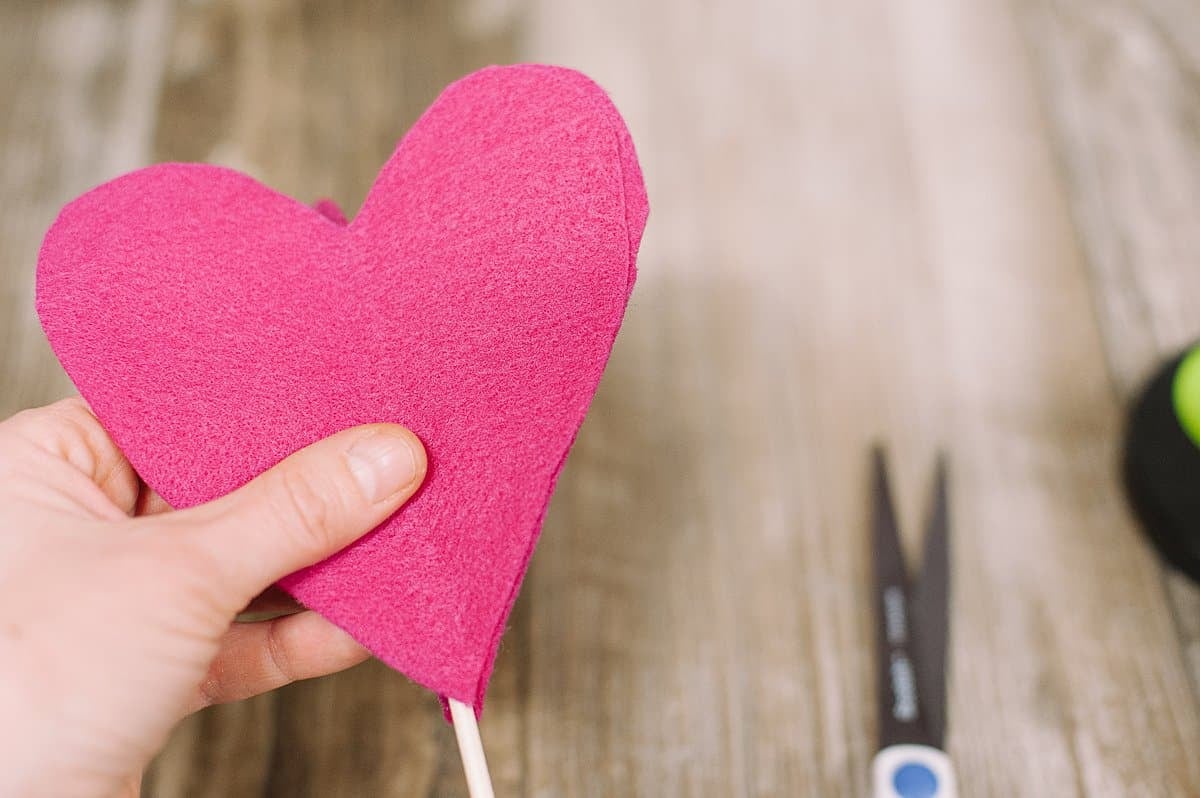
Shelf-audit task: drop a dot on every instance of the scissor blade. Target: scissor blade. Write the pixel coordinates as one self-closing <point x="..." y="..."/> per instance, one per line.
<point x="930" y="609"/>
<point x="900" y="718"/>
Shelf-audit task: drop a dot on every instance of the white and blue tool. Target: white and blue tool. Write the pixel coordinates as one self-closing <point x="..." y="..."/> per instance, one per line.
<point x="911" y="640"/>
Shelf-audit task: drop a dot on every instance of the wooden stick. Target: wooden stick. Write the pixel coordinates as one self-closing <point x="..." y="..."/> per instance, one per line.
<point x="470" y="747"/>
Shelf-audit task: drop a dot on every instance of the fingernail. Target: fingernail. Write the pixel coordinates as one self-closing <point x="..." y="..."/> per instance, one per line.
<point x="383" y="464"/>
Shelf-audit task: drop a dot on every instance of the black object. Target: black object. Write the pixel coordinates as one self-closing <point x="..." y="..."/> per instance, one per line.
<point x="912" y="618"/>
<point x="1161" y="471"/>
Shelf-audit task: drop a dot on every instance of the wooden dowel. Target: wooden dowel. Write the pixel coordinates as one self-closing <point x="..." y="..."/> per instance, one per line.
<point x="470" y="747"/>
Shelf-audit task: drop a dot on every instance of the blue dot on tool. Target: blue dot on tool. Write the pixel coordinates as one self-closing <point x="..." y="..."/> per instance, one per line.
<point x="914" y="780"/>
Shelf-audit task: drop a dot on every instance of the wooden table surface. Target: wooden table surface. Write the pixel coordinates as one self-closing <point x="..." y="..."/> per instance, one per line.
<point x="970" y="224"/>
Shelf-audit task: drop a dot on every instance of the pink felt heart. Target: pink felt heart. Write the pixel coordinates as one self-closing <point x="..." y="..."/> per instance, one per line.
<point x="215" y="326"/>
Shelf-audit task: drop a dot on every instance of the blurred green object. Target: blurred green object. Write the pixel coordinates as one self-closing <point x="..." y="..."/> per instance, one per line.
<point x="1185" y="394"/>
<point x="1162" y="460"/>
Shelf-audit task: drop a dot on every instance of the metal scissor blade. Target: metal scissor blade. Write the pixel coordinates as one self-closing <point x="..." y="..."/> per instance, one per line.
<point x="900" y="717"/>
<point x="930" y="609"/>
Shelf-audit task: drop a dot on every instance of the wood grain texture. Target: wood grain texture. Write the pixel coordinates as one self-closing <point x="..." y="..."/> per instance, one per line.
<point x="940" y="223"/>
<point x="1121" y="82"/>
<point x="79" y="95"/>
<point x="865" y="234"/>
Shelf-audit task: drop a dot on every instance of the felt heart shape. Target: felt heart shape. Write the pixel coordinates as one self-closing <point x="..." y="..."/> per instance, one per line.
<point x="215" y="326"/>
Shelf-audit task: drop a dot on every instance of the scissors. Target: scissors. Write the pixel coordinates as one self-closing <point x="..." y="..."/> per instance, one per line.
<point x="911" y="634"/>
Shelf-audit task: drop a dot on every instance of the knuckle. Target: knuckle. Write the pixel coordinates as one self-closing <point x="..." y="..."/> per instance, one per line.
<point x="65" y="430"/>
<point x="304" y="510"/>
<point x="279" y="664"/>
<point x="73" y="407"/>
<point x="69" y="415"/>
<point x="209" y="692"/>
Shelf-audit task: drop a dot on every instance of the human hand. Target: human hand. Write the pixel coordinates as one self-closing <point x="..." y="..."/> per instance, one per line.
<point x="117" y="615"/>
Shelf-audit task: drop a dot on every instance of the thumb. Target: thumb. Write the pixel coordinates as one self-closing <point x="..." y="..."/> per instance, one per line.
<point x="310" y="505"/>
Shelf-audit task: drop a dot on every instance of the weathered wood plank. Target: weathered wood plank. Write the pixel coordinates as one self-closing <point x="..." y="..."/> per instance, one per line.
<point x="857" y="229"/>
<point x="224" y="751"/>
<point x="79" y="85"/>
<point x="1080" y="571"/>
<point x="1121" y="85"/>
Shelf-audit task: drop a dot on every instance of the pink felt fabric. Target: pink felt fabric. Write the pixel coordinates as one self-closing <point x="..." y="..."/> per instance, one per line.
<point x="216" y="326"/>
